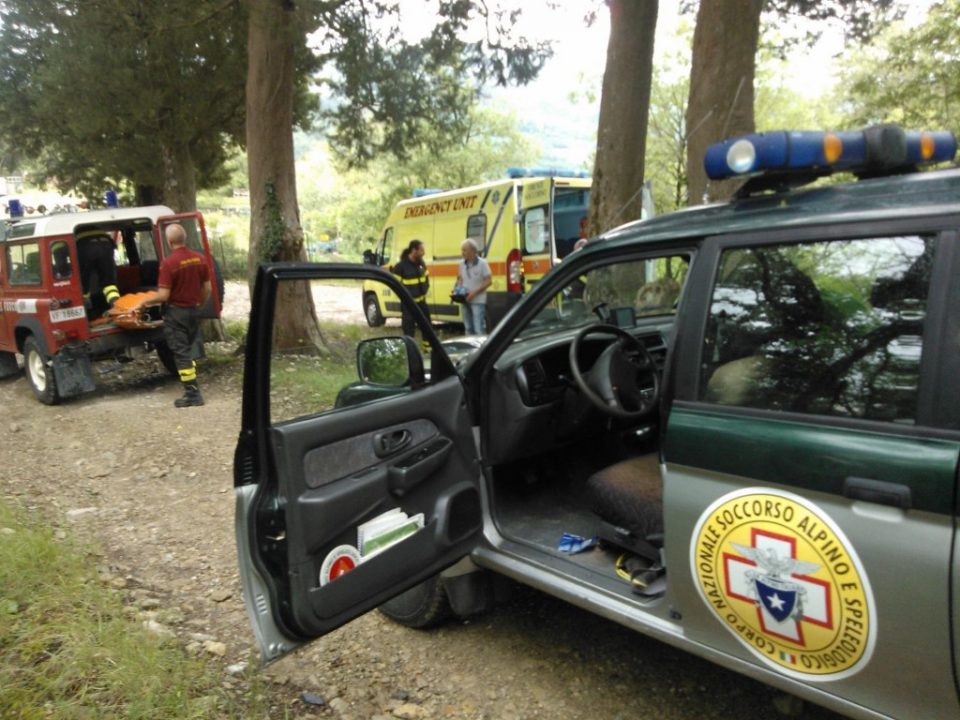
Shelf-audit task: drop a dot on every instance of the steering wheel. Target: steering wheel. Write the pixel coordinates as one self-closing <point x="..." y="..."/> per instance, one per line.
<point x="623" y="382"/>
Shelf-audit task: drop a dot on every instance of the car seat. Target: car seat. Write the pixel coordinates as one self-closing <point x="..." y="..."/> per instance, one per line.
<point x="628" y="498"/>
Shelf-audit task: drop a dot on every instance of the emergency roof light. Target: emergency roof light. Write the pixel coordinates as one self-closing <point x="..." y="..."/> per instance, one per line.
<point x="519" y="172"/>
<point x="110" y="199"/>
<point x="802" y="156"/>
<point x="421" y="192"/>
<point x="15" y="207"/>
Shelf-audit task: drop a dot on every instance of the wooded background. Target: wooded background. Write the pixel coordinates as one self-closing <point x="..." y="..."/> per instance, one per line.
<point x="172" y="101"/>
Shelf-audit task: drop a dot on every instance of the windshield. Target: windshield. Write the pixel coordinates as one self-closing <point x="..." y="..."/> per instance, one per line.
<point x="618" y="294"/>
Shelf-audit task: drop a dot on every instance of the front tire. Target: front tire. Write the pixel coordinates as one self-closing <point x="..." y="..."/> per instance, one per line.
<point x="422" y="606"/>
<point x="371" y="309"/>
<point x="39" y="375"/>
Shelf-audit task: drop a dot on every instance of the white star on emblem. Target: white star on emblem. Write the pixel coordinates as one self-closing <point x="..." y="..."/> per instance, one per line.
<point x="775" y="602"/>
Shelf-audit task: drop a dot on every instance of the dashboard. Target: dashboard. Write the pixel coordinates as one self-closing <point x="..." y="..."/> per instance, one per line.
<point x="535" y="404"/>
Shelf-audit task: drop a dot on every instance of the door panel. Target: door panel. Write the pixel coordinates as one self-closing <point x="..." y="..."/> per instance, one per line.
<point x="810" y="485"/>
<point x="323" y="512"/>
<point x="324" y="473"/>
<point x="903" y="554"/>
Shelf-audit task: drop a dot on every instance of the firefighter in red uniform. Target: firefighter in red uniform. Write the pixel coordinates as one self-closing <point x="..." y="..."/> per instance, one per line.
<point x="184" y="285"/>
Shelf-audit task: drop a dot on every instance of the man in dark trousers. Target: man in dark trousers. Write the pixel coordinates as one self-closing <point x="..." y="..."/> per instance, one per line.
<point x="98" y="271"/>
<point x="413" y="273"/>
<point x="184" y="285"/>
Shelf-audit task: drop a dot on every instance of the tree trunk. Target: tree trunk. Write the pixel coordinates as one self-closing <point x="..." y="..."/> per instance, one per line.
<point x="721" y="87"/>
<point x="148" y="195"/>
<point x="617" y="193"/>
<point x="179" y="177"/>
<point x="275" y="231"/>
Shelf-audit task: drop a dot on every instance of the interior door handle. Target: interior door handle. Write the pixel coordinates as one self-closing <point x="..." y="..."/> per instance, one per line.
<point x="387" y="443"/>
<point x="878" y="491"/>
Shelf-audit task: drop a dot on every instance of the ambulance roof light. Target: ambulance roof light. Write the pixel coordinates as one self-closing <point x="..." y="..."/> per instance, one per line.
<point x="15" y="207"/>
<point x="421" y="192"/>
<point x="110" y="199"/>
<point x="877" y="150"/>
<point x="520" y="172"/>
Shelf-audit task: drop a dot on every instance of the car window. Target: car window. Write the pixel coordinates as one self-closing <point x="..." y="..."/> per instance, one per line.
<point x="60" y="260"/>
<point x="618" y="293"/>
<point x="24" y="263"/>
<point x="305" y="381"/>
<point x="832" y="328"/>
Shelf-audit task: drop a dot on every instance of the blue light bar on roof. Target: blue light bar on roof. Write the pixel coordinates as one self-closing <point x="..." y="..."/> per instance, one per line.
<point x="519" y="172"/>
<point x="422" y="192"/>
<point x="878" y="148"/>
<point x="15" y="208"/>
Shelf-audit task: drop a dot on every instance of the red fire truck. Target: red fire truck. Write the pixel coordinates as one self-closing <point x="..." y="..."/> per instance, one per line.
<point x="49" y="311"/>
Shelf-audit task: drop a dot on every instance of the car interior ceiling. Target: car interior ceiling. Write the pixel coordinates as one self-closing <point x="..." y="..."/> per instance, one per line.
<point x="545" y="456"/>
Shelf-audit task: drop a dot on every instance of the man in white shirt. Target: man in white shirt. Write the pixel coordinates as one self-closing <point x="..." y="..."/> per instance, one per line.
<point x="474" y="277"/>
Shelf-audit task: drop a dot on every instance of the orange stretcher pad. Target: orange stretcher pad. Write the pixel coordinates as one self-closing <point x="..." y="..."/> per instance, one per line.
<point x="122" y="315"/>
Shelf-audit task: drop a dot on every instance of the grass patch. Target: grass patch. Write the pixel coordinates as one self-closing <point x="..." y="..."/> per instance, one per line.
<point x="68" y="650"/>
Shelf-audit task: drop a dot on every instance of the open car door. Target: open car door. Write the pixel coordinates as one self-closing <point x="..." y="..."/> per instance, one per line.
<point x="351" y="486"/>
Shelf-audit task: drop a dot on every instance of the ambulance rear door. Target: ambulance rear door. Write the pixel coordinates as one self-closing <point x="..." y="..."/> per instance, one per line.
<point x="535" y="229"/>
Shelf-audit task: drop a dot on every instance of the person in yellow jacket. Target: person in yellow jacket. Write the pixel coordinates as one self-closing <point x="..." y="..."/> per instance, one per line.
<point x="413" y="274"/>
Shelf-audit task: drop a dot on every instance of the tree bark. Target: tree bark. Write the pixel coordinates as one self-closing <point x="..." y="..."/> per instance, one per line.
<point x="618" y="169"/>
<point x="275" y="230"/>
<point x="721" y="87"/>
<point x="148" y="195"/>
<point x="179" y="177"/>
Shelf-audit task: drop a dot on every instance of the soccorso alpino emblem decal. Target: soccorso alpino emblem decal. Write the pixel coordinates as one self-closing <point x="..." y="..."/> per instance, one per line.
<point x="783" y="578"/>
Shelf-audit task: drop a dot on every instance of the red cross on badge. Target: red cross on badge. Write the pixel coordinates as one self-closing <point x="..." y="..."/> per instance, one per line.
<point x="768" y="575"/>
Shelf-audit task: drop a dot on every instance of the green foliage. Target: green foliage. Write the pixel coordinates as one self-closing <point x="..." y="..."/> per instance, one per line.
<point x="68" y="650"/>
<point x="101" y="88"/>
<point x="353" y="204"/>
<point x="395" y="95"/>
<point x="908" y="75"/>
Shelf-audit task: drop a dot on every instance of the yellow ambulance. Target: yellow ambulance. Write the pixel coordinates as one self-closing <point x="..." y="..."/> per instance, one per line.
<point x="523" y="224"/>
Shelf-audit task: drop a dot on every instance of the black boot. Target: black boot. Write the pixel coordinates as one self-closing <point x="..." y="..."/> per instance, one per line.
<point x="191" y="396"/>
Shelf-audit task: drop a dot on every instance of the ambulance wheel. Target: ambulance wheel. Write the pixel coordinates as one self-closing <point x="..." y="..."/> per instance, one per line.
<point x="371" y="308"/>
<point x="422" y="606"/>
<point x="40" y="377"/>
<point x="167" y="359"/>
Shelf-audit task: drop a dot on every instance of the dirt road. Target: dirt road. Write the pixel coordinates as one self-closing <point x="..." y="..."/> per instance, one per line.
<point x="152" y="486"/>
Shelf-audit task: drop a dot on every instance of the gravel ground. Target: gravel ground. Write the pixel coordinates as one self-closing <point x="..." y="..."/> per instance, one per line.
<point x="152" y="486"/>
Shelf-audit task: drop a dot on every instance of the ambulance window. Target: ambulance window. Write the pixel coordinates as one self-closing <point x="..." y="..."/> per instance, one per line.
<point x="24" y="263"/>
<point x="60" y="261"/>
<point x="535" y="231"/>
<point x="477" y="229"/>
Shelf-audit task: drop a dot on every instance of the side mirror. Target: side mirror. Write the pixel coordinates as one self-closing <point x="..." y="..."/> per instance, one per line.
<point x="390" y="361"/>
<point x="369" y="257"/>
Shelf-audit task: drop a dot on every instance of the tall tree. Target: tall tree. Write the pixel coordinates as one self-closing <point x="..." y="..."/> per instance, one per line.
<point x="908" y="75"/>
<point x="721" y="84"/>
<point x="144" y="92"/>
<point x="723" y="69"/>
<point x="391" y="94"/>
<point x="618" y="171"/>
